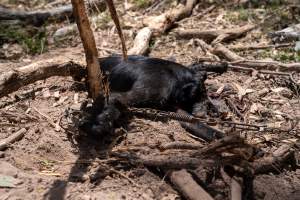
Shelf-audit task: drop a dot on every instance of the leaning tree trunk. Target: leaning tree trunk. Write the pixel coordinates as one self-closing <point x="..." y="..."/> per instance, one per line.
<point x="95" y="76"/>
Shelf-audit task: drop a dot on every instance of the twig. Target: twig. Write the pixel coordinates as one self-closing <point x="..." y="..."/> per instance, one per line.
<point x="180" y="145"/>
<point x="49" y="120"/>
<point x="126" y="177"/>
<point x="259" y="46"/>
<point x="235" y="110"/>
<point x="12" y="138"/>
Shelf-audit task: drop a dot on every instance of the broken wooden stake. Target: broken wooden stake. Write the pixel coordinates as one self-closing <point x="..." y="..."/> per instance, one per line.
<point x="95" y="76"/>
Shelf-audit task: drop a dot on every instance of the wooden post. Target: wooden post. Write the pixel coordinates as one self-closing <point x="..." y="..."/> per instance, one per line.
<point x="95" y="76"/>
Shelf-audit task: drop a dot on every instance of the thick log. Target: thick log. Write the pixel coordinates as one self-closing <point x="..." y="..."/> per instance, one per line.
<point x="39" y="17"/>
<point x="14" y="79"/>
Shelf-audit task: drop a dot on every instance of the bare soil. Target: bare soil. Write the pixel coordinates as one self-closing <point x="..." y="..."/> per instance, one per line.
<point x="48" y="163"/>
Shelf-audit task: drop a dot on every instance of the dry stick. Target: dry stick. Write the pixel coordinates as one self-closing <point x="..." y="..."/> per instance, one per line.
<point x="184" y="182"/>
<point x="180" y="145"/>
<point x="91" y="53"/>
<point x="49" y="120"/>
<point x="115" y="17"/>
<point x="217" y="35"/>
<point x="12" y="138"/>
<point x="259" y="46"/>
<point x="237" y="60"/>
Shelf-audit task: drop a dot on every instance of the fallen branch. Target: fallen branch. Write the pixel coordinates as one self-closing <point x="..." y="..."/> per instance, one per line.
<point x="237" y="60"/>
<point x="38" y="18"/>
<point x="49" y="120"/>
<point x="141" y="42"/>
<point x="259" y="46"/>
<point x="166" y="162"/>
<point x="180" y="145"/>
<point x="184" y="182"/>
<point x="12" y="80"/>
<point x="214" y="35"/>
<point x="164" y="22"/>
<point x="276" y="161"/>
<point x="228" y="142"/>
<point x="12" y="138"/>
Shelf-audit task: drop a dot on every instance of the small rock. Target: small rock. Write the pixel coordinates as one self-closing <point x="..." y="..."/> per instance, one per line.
<point x="56" y="95"/>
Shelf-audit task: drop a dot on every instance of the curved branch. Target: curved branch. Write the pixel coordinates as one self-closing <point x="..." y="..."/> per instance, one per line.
<point x="14" y="79"/>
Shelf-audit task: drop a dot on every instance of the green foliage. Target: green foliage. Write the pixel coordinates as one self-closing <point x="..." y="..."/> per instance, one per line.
<point x="283" y="55"/>
<point x="142" y="3"/>
<point x="33" y="40"/>
<point x="103" y="20"/>
<point x="240" y="14"/>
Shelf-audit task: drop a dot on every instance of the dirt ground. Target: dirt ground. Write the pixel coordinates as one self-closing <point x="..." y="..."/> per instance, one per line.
<point x="52" y="162"/>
